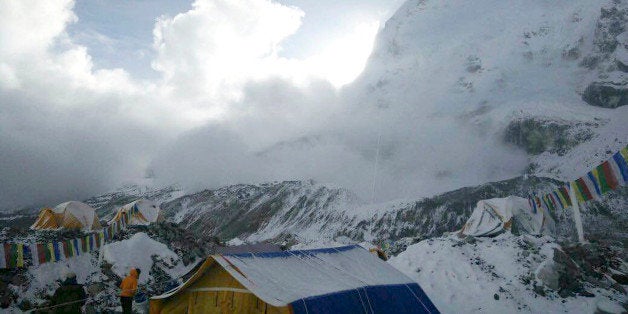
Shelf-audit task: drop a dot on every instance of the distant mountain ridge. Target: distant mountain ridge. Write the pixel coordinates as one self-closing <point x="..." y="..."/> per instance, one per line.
<point x="306" y="211"/>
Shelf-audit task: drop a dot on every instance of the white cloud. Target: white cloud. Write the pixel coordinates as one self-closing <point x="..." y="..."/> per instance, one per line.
<point x="209" y="52"/>
<point x="343" y="59"/>
<point x="66" y="129"/>
<point x="226" y="109"/>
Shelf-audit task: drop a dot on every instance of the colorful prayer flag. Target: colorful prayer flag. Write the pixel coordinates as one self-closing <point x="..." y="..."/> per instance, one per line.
<point x="28" y="256"/>
<point x="50" y="253"/>
<point x="531" y="204"/>
<point x="546" y="202"/>
<point x="584" y="190"/>
<point x="564" y="192"/>
<point x="576" y="189"/>
<point x="92" y="242"/>
<point x="557" y="202"/>
<point x="67" y="249"/>
<point x="41" y="253"/>
<point x="10" y="252"/>
<point x="538" y="202"/>
<point x="77" y="246"/>
<point x="84" y="245"/>
<point x="621" y="167"/>
<point x="552" y="202"/>
<point x="12" y="255"/>
<point x="20" y="255"/>
<point x="34" y="254"/>
<point x="57" y="246"/>
<point x="594" y="181"/>
<point x="605" y="177"/>
<point x="3" y="261"/>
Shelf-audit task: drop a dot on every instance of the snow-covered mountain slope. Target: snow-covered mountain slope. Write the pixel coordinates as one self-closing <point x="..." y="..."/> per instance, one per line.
<point x="467" y="92"/>
<point x="107" y="203"/>
<point x="306" y="211"/>
<point x="264" y="211"/>
<point x="512" y="274"/>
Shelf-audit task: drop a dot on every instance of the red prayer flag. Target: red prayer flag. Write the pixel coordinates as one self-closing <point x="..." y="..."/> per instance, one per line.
<point x="611" y="180"/>
<point x="41" y="253"/>
<point x="66" y="249"/>
<point x="7" y="254"/>
<point x="584" y="189"/>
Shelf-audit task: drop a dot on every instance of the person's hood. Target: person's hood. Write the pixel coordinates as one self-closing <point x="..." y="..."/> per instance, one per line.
<point x="134" y="273"/>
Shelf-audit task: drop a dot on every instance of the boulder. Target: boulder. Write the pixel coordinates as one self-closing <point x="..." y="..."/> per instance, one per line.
<point x="560" y="273"/>
<point x="605" y="95"/>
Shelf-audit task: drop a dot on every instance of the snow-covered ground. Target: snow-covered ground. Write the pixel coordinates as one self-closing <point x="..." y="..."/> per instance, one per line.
<point x="493" y="275"/>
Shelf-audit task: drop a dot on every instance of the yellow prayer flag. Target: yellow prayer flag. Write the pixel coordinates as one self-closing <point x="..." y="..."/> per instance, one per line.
<point x="20" y="255"/>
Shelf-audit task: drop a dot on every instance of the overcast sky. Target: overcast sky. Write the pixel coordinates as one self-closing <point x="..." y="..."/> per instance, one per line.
<point x="92" y="93"/>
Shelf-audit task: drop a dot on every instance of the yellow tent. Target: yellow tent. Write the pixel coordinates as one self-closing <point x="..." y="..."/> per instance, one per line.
<point x="69" y="215"/>
<point x="212" y="290"/>
<point x="330" y="280"/>
<point x="143" y="212"/>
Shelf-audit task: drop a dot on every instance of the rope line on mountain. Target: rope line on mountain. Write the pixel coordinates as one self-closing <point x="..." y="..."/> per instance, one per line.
<point x="607" y="176"/>
<point x="23" y="255"/>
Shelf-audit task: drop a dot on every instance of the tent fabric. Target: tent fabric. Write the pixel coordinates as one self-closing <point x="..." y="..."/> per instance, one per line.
<point x="494" y="216"/>
<point x="68" y="215"/>
<point x="249" y="248"/>
<point x="373" y="299"/>
<point x="144" y="212"/>
<point x="333" y="280"/>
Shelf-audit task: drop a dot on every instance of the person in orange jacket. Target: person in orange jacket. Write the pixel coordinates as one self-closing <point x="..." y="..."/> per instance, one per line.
<point x="129" y="288"/>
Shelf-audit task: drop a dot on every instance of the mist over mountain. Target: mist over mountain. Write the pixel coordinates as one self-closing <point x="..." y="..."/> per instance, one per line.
<point x="455" y="94"/>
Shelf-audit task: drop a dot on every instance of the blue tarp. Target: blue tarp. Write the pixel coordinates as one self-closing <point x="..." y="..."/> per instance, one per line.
<point x="403" y="298"/>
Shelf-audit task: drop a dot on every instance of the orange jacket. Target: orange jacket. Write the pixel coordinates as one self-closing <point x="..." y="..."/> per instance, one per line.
<point x="129" y="284"/>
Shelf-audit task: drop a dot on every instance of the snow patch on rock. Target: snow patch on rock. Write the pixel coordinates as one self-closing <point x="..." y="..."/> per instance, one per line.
<point x="138" y="252"/>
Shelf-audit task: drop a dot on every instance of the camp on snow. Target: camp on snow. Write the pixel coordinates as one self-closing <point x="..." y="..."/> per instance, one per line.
<point x="143" y="212"/>
<point x="494" y="216"/>
<point x="68" y="215"/>
<point x="345" y="279"/>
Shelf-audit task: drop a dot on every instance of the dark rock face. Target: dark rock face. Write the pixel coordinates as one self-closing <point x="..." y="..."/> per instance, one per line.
<point x="610" y="89"/>
<point x="605" y="95"/>
<point x="568" y="274"/>
<point x="537" y="136"/>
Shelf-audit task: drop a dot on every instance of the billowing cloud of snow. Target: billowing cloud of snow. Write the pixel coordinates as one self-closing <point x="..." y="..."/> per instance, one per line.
<point x="227" y="107"/>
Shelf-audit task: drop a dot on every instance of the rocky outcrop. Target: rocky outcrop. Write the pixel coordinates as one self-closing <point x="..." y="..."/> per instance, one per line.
<point x="574" y="266"/>
<point x="606" y="95"/>
<point x="536" y="135"/>
<point x="610" y="44"/>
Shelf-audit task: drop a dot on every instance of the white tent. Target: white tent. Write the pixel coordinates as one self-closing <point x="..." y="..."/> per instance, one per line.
<point x="496" y="215"/>
<point x="143" y="212"/>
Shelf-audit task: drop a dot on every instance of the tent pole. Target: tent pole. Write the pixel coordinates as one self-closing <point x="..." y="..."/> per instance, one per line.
<point x="576" y="214"/>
